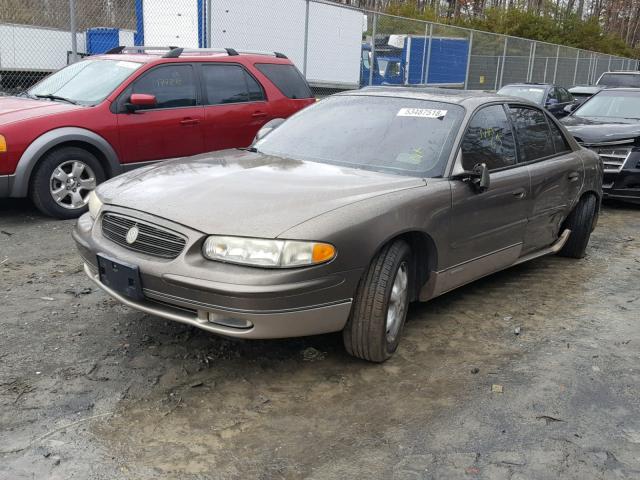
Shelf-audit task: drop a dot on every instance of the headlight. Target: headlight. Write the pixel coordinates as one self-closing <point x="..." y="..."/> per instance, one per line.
<point x="259" y="252"/>
<point x="95" y="205"/>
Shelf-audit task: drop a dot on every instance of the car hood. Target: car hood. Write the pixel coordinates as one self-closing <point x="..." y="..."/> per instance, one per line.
<point x="593" y="130"/>
<point x="247" y="194"/>
<point x="14" y="109"/>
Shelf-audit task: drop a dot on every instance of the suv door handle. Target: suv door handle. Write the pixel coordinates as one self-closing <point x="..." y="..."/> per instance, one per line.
<point x="259" y="114"/>
<point x="189" y="121"/>
<point x="519" y="193"/>
<point x="573" y="176"/>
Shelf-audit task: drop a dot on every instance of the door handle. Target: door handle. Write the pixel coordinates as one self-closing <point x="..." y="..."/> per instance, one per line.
<point x="573" y="176"/>
<point x="189" y="121"/>
<point x="519" y="193"/>
<point x="259" y="114"/>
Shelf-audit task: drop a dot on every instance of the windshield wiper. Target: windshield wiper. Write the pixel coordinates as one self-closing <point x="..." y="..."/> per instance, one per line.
<point x="249" y="149"/>
<point x="56" y="97"/>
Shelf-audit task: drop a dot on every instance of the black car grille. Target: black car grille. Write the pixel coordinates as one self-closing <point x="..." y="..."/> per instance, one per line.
<point x="152" y="240"/>
<point x="613" y="158"/>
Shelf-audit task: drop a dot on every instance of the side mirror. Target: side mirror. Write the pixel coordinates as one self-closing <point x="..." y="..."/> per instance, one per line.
<point x="139" y="100"/>
<point x="267" y="128"/>
<point x="478" y="178"/>
<point x="571" y="107"/>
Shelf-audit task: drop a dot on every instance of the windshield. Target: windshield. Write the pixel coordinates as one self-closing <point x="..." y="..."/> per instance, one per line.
<point x="533" y="94"/>
<point x="389" y="134"/>
<point x="87" y="82"/>
<point x="620" y="80"/>
<point x="610" y="103"/>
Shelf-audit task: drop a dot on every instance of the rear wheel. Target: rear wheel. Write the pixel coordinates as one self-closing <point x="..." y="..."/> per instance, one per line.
<point x="62" y="182"/>
<point x="380" y="307"/>
<point x="581" y="222"/>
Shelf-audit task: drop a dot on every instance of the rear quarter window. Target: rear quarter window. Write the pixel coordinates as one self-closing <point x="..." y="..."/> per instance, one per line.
<point x="286" y="78"/>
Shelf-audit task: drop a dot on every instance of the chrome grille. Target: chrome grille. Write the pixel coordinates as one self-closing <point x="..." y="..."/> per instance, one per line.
<point x="151" y="239"/>
<point x="613" y="157"/>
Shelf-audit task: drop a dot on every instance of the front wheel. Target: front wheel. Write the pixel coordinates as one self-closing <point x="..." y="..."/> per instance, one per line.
<point x="63" y="180"/>
<point x="380" y="307"/>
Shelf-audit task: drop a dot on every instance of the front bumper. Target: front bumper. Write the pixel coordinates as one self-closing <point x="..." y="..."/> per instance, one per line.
<point x="212" y="295"/>
<point x="623" y="185"/>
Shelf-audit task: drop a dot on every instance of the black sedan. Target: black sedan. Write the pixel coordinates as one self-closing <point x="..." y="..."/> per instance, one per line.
<point x="609" y="124"/>
<point x="553" y="97"/>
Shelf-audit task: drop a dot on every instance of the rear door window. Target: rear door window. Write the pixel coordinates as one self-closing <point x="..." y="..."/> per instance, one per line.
<point x="286" y="78"/>
<point x="230" y="84"/>
<point x="489" y="140"/>
<point x="532" y="130"/>
<point x="559" y="141"/>
<point x="173" y="86"/>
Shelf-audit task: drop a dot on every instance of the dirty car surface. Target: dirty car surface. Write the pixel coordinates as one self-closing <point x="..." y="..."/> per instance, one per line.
<point x="343" y="215"/>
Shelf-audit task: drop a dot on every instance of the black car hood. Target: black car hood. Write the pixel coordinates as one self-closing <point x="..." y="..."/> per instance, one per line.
<point x="600" y="130"/>
<point x="237" y="192"/>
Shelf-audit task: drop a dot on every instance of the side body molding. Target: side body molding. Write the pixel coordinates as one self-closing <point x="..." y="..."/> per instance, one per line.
<point x="20" y="183"/>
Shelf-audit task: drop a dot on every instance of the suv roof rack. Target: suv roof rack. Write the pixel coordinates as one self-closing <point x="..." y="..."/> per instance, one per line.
<point x="232" y="52"/>
<point x="139" y="49"/>
<point x="175" y="52"/>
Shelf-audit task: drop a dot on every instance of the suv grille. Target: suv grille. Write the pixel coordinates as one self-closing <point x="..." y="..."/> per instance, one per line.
<point x="613" y="157"/>
<point x="145" y="238"/>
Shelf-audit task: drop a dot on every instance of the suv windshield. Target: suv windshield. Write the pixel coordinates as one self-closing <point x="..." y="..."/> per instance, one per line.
<point x="612" y="103"/>
<point x="620" y="80"/>
<point x="87" y="82"/>
<point x="389" y="134"/>
<point x="533" y="94"/>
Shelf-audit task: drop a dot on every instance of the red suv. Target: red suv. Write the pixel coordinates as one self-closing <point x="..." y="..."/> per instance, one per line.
<point x="104" y="115"/>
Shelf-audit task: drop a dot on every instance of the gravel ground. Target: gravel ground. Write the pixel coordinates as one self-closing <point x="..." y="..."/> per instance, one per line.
<point x="90" y="389"/>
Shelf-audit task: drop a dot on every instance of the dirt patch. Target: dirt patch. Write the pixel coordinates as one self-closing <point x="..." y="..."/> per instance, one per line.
<point x="92" y="389"/>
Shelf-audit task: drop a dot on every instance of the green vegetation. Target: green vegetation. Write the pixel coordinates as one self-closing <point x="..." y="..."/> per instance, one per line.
<point x="548" y="25"/>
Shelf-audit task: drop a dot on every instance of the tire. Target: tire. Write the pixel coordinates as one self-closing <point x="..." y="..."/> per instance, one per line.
<point x="72" y="173"/>
<point x="368" y="334"/>
<point x="581" y="222"/>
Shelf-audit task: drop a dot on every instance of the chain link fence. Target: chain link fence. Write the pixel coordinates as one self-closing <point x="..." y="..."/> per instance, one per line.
<point x="336" y="47"/>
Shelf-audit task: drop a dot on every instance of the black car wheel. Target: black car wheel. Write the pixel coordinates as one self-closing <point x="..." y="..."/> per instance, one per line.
<point x="581" y="222"/>
<point x="380" y="307"/>
<point x="62" y="182"/>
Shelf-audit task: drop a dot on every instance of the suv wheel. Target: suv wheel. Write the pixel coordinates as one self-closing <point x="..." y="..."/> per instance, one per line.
<point x="62" y="182"/>
<point x="380" y="307"/>
<point x="581" y="222"/>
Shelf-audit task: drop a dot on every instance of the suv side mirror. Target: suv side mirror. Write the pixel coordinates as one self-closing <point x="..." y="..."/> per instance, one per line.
<point x="571" y="107"/>
<point x="138" y="100"/>
<point x="478" y="178"/>
<point x="267" y="128"/>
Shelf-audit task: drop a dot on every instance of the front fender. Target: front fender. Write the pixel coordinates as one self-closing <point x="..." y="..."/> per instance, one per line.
<point x="20" y="183"/>
<point x="359" y="230"/>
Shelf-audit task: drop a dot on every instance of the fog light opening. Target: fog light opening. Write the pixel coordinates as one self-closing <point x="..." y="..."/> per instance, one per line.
<point x="227" y="321"/>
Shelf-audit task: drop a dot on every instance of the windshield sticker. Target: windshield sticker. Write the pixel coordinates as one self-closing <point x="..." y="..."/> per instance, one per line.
<point x="131" y="65"/>
<point x="421" y="112"/>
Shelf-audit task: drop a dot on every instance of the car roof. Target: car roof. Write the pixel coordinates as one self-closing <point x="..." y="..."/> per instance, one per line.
<point x="528" y="84"/>
<point x="162" y="54"/>
<point x="625" y="72"/>
<point x="620" y="89"/>
<point x="470" y="98"/>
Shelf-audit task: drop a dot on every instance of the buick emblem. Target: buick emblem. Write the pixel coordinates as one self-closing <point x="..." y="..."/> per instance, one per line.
<point x="132" y="234"/>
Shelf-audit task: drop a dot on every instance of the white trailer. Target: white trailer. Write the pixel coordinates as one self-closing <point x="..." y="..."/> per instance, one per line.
<point x="326" y="48"/>
<point x="324" y="40"/>
<point x="35" y="49"/>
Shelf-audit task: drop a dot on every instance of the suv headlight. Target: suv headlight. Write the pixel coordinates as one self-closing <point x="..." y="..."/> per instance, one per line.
<point x="258" y="252"/>
<point x="95" y="205"/>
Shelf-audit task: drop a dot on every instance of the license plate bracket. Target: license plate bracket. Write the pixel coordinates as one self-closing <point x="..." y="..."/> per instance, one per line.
<point x="121" y="277"/>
